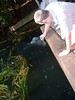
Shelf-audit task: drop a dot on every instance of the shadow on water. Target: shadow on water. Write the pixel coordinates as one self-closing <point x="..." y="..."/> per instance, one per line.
<point x="46" y="81"/>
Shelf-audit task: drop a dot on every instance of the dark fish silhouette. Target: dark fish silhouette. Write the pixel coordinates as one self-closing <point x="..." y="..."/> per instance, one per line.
<point x="38" y="41"/>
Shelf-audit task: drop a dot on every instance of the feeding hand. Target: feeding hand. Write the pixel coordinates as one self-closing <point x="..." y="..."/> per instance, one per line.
<point x="42" y="37"/>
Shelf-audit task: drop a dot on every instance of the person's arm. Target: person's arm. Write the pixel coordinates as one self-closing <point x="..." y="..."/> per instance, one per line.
<point x="65" y="23"/>
<point x="68" y="45"/>
<point x="45" y="31"/>
<point x="66" y="27"/>
<point x="68" y="42"/>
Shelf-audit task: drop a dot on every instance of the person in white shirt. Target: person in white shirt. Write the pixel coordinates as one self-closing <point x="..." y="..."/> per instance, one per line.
<point x="63" y="13"/>
<point x="42" y="4"/>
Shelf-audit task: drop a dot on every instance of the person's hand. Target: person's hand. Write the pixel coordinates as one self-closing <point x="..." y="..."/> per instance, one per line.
<point x="42" y="37"/>
<point x="63" y="53"/>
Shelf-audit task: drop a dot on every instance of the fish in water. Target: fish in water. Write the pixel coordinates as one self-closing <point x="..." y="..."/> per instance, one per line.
<point x="38" y="41"/>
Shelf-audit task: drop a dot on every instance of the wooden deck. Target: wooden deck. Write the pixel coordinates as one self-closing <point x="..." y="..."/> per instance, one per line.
<point x="67" y="63"/>
<point x="26" y="13"/>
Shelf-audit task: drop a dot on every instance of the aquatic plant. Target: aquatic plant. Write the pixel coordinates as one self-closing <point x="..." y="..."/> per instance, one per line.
<point x="4" y="92"/>
<point x="14" y="72"/>
<point x="19" y="82"/>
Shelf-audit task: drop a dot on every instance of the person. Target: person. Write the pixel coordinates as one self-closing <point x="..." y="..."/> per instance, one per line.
<point x="42" y="4"/>
<point x="62" y="13"/>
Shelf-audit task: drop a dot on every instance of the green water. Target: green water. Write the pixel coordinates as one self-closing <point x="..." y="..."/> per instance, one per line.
<point x="46" y="81"/>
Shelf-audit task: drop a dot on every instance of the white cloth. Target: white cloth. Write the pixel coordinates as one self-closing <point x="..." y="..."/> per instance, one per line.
<point x="63" y="13"/>
<point x="43" y="3"/>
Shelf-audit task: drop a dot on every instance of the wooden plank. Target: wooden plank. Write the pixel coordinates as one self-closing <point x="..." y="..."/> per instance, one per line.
<point x="22" y="22"/>
<point x="67" y="63"/>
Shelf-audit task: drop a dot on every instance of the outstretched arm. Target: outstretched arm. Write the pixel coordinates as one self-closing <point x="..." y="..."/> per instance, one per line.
<point x="68" y="42"/>
<point x="45" y="31"/>
<point x="68" y="45"/>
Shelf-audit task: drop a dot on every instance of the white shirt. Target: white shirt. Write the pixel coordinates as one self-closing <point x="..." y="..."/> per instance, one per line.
<point x="63" y="13"/>
<point x="43" y="3"/>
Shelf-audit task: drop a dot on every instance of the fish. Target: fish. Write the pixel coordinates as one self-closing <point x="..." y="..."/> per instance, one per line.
<point x="38" y="41"/>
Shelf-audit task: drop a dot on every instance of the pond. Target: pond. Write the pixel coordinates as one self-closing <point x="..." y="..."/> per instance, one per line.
<point x="46" y="80"/>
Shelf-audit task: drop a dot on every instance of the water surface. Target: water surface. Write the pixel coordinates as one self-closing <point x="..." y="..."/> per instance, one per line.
<point x="46" y="80"/>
